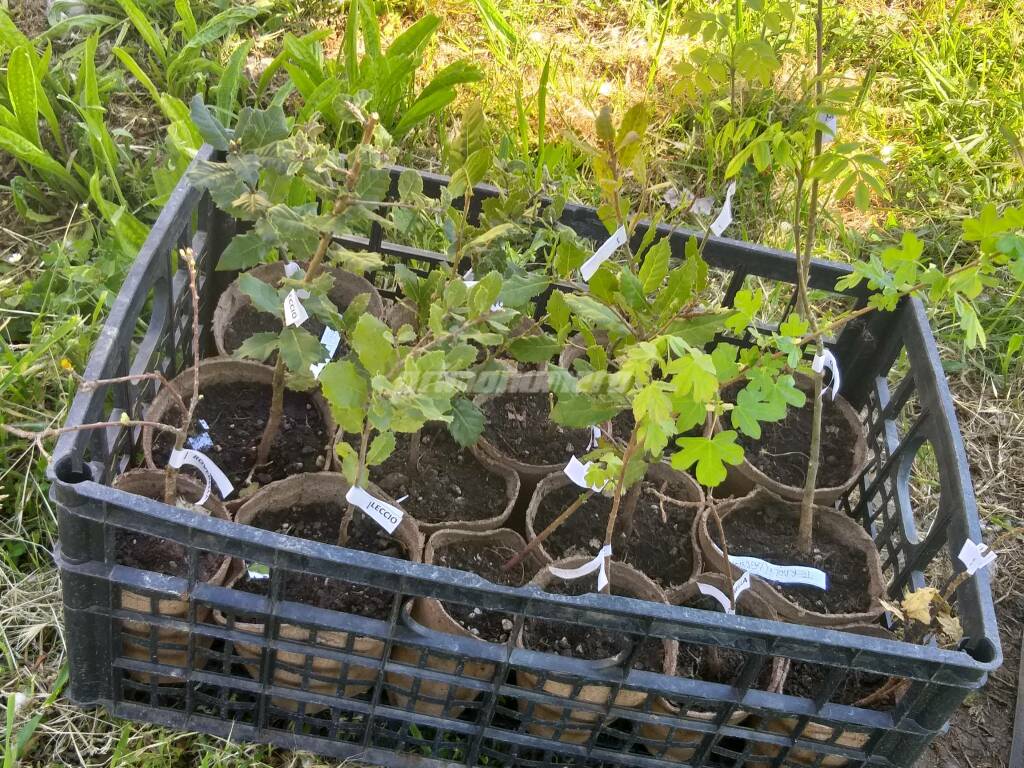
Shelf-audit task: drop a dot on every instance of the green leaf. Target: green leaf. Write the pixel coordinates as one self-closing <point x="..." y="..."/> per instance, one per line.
<point x="381" y="447"/>
<point x="655" y="266"/>
<point x="347" y="392"/>
<point x="372" y="342"/>
<point x="596" y="315"/>
<point x="751" y="410"/>
<point x="232" y="79"/>
<point x="244" y="251"/>
<point x="209" y="127"/>
<point x="501" y="230"/>
<point x="264" y="296"/>
<point x="257" y="128"/>
<point x="467" y="422"/>
<point x="483" y="295"/>
<point x="259" y="346"/>
<point x="632" y="291"/>
<point x="27" y="152"/>
<point x="153" y="37"/>
<point x="534" y="349"/>
<point x="694" y="373"/>
<point x="300" y="349"/>
<point x="518" y="290"/>
<point x="710" y="455"/>
<point x="21" y="87"/>
<point x="583" y="410"/>
<point x="349" y="458"/>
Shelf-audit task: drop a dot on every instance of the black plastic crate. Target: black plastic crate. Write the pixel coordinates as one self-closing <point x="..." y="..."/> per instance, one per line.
<point x="225" y="681"/>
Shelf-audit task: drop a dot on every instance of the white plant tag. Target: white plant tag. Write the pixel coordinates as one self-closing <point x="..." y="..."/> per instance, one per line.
<point x="784" y="574"/>
<point x="717" y="594"/>
<point x="724" y="219"/>
<point x="741" y="585"/>
<point x="976" y="556"/>
<point x="290" y="268"/>
<point x="576" y="471"/>
<point x="828" y="360"/>
<point x="210" y="471"/>
<point x="329" y="341"/>
<point x="597" y="564"/>
<point x="294" y="312"/>
<point x="602" y="254"/>
<point x="200" y="442"/>
<point x="828" y="134"/>
<point x="203" y="424"/>
<point x="387" y="516"/>
<point x="257" y="571"/>
<point x="595" y="436"/>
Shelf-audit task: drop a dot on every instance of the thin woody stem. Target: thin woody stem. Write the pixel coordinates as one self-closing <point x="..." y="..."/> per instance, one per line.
<point x="156" y="376"/>
<point x="326" y="238"/>
<point x="806" y="530"/>
<point x="617" y="499"/>
<point x="364" y="440"/>
<point x="553" y="526"/>
<point x="171" y="473"/>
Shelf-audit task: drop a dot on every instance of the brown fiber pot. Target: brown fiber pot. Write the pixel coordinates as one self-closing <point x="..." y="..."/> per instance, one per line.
<point x="750" y="604"/>
<point x="743" y="478"/>
<point x="346" y="287"/>
<point x="225" y="370"/>
<point x="816" y="731"/>
<point x="529" y="382"/>
<point x="488" y="464"/>
<point x="429" y="615"/>
<point x="150" y="483"/>
<point x="300" y="490"/>
<point x="840" y="526"/>
<point x="580" y="723"/>
<point x="655" y="472"/>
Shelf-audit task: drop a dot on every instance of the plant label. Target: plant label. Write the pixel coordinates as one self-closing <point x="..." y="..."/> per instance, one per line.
<point x="257" y="571"/>
<point x="827" y="360"/>
<point x="387" y="516"/>
<point x="783" y="574"/>
<point x="976" y="556"/>
<point x="714" y="592"/>
<point x="830" y="123"/>
<point x="329" y="340"/>
<point x="595" y="436"/>
<point x="724" y="218"/>
<point x="576" y="471"/>
<point x="200" y="442"/>
<point x="290" y="270"/>
<point x="210" y="471"/>
<point x="741" y="585"/>
<point x="599" y="564"/>
<point x="602" y="254"/>
<point x="294" y="312"/>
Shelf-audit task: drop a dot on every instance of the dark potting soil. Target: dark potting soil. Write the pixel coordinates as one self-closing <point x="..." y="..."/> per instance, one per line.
<point x="483" y="559"/>
<point x="320" y="522"/>
<point x="151" y="553"/>
<point x="808" y="680"/>
<point x="519" y="426"/>
<point x="582" y="642"/>
<point x="660" y="548"/>
<point x="781" y="453"/>
<point x="770" y="534"/>
<point x="711" y="664"/>
<point x="449" y="485"/>
<point x="249" y="320"/>
<point x="236" y="414"/>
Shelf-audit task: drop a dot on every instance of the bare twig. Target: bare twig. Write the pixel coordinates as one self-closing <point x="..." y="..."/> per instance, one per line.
<point x="552" y="527"/>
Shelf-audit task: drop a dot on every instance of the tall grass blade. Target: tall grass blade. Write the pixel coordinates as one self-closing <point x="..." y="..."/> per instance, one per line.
<point x="24" y="150"/>
<point x="231" y="81"/>
<point x="542" y="118"/>
<point x="23" y="92"/>
<point x="153" y="37"/>
<point x="495" y="22"/>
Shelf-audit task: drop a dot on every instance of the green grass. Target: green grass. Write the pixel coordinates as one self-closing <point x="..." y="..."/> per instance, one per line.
<point x="945" y="110"/>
